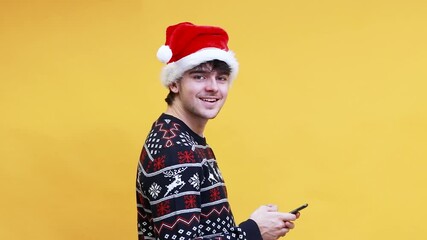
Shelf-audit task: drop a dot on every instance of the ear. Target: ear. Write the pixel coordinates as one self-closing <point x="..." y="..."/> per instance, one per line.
<point x="173" y="87"/>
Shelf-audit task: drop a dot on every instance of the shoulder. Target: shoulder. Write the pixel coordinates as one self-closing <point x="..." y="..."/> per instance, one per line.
<point x="157" y="157"/>
<point x="170" y="132"/>
<point x="170" y="143"/>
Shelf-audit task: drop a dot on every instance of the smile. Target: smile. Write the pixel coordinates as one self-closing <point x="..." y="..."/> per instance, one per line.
<point x="211" y="100"/>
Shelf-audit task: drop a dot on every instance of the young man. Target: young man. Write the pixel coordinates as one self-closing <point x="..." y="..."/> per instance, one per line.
<point x="180" y="190"/>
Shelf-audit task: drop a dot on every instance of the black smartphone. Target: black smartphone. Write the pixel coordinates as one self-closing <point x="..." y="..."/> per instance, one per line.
<point x="299" y="209"/>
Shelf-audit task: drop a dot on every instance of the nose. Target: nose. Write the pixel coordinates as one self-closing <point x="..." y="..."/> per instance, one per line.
<point x="212" y="84"/>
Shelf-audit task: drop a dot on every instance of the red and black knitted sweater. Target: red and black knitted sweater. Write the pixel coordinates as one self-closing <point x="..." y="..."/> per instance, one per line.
<point x="180" y="190"/>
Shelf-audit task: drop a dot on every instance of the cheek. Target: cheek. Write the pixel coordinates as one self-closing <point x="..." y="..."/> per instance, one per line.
<point x="224" y="91"/>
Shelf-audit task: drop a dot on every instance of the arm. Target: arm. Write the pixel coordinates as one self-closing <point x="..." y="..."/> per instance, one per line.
<point x="184" y="203"/>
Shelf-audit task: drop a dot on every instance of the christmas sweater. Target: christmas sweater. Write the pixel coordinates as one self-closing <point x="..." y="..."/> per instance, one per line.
<point x="180" y="190"/>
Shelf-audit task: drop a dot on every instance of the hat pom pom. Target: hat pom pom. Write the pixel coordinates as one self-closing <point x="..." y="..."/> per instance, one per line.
<point x="164" y="54"/>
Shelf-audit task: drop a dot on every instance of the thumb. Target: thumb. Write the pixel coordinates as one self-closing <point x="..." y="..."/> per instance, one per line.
<point x="286" y="216"/>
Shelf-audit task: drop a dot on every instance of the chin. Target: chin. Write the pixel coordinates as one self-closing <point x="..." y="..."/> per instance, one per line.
<point x="209" y="115"/>
<point x="212" y="116"/>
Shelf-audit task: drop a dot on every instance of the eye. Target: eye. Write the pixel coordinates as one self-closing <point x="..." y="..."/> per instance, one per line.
<point x="198" y="76"/>
<point x="222" y="78"/>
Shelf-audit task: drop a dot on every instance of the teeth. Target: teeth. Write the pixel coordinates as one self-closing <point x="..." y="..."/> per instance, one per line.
<point x="209" y="100"/>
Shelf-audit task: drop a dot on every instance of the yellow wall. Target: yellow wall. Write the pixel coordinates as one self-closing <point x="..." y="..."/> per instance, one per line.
<point x="330" y="108"/>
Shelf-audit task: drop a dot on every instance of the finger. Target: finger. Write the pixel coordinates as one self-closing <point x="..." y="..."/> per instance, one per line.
<point x="289" y="225"/>
<point x="283" y="232"/>
<point x="286" y="216"/>
<point x="279" y="225"/>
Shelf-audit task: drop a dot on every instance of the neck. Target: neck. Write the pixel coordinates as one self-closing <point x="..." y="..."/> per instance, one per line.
<point x="196" y="124"/>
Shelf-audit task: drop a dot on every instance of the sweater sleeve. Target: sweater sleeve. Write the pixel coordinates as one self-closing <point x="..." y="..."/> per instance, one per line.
<point x="251" y="229"/>
<point x="173" y="186"/>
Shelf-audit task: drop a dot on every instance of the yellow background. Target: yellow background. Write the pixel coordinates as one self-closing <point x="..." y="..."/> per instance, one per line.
<point x="329" y="108"/>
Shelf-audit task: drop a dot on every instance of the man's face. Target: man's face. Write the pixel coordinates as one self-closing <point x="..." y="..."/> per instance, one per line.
<point x="201" y="93"/>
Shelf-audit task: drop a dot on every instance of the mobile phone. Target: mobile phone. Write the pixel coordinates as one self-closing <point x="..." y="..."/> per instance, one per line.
<point x="299" y="208"/>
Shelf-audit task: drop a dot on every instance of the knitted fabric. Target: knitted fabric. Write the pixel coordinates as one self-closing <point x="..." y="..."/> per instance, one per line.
<point x="180" y="190"/>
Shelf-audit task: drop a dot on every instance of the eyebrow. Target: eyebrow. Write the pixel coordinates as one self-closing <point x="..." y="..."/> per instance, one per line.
<point x="203" y="71"/>
<point x="199" y="71"/>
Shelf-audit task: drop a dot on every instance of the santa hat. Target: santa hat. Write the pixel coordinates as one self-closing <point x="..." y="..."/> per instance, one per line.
<point x="188" y="45"/>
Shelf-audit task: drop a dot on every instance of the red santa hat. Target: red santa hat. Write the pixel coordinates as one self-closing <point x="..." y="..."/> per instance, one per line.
<point x="188" y="45"/>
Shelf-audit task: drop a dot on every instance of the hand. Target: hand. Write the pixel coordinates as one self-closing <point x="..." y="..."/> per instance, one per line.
<point x="273" y="224"/>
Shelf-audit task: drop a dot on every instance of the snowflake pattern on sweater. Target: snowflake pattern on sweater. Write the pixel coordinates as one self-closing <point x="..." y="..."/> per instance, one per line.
<point x="180" y="191"/>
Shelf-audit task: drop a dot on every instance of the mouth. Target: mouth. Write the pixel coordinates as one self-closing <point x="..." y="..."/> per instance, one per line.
<point x="209" y="100"/>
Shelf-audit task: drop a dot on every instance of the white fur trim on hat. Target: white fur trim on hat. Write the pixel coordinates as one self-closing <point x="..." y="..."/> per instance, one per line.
<point x="173" y="71"/>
